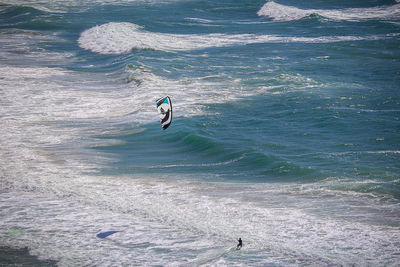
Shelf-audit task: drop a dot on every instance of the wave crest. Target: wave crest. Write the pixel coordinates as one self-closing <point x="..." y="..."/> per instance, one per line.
<point x="282" y="13"/>
<point x="122" y="37"/>
<point x="278" y="12"/>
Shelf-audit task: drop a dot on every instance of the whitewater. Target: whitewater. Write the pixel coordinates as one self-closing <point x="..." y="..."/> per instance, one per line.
<point x="285" y="133"/>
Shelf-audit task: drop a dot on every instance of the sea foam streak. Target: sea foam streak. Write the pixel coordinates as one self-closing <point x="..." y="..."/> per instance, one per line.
<point x="122" y="37"/>
<point x="280" y="12"/>
<point x="62" y="6"/>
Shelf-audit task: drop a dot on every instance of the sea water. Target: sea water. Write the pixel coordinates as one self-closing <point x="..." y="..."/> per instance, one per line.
<point x="286" y="132"/>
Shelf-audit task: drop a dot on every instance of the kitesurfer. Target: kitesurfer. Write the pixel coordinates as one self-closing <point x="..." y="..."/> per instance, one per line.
<point x="239" y="246"/>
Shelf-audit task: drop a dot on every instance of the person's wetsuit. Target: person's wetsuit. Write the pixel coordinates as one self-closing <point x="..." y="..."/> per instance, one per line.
<point x="240" y="243"/>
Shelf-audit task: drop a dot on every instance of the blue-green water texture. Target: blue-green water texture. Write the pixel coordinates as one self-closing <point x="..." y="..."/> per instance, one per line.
<point x="285" y="132"/>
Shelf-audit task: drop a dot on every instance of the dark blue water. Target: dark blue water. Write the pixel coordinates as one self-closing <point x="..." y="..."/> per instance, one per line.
<point x="286" y="131"/>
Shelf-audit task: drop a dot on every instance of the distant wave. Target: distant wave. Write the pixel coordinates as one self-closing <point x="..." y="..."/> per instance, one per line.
<point x="62" y="6"/>
<point x="122" y="37"/>
<point x="279" y="12"/>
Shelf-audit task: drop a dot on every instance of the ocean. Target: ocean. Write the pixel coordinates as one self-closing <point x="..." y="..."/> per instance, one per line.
<point x="285" y="133"/>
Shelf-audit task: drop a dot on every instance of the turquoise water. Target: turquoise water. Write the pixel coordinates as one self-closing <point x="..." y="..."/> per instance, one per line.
<point x="286" y="132"/>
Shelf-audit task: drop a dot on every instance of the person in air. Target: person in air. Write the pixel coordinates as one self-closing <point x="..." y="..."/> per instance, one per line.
<point x="239" y="246"/>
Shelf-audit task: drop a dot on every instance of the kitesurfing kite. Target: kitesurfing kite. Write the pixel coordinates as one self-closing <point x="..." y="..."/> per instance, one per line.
<point x="164" y="107"/>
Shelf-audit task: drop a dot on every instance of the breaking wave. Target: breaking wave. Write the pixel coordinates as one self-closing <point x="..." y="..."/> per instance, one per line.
<point x="122" y="37"/>
<point x="278" y="12"/>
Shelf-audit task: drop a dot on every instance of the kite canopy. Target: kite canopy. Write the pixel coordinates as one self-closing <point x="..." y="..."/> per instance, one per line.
<point x="164" y="107"/>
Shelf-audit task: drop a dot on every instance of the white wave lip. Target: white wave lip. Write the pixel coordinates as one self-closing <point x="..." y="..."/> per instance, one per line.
<point x="123" y="37"/>
<point x="278" y="12"/>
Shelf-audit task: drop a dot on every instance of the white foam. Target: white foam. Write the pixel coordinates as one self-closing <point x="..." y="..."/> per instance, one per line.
<point x="62" y="6"/>
<point x="49" y="115"/>
<point x="60" y="209"/>
<point x="383" y="151"/>
<point x="205" y="218"/>
<point x="20" y="46"/>
<point x="122" y="37"/>
<point x="280" y="12"/>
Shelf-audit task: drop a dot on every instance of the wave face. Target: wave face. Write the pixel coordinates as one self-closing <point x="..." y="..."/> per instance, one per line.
<point x="278" y="12"/>
<point x="285" y="133"/>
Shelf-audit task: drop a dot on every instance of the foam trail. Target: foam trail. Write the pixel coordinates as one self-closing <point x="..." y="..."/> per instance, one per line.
<point x="122" y="37"/>
<point x="279" y="12"/>
<point x="63" y="6"/>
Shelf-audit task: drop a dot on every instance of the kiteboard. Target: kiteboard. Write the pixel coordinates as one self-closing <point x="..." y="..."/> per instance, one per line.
<point x="164" y="107"/>
<point x="105" y="234"/>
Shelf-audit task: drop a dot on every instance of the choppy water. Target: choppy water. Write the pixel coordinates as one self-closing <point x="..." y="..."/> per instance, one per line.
<point x="286" y="132"/>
